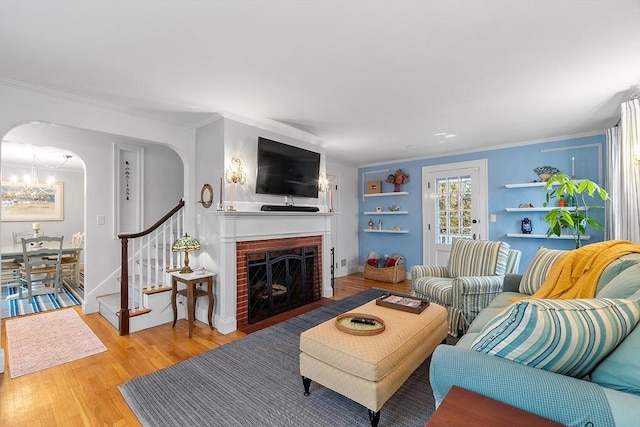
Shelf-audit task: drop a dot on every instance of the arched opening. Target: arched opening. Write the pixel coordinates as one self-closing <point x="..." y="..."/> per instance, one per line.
<point x="91" y="192"/>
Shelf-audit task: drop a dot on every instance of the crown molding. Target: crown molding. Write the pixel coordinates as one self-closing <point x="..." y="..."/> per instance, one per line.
<point x="490" y="148"/>
<point x="54" y="93"/>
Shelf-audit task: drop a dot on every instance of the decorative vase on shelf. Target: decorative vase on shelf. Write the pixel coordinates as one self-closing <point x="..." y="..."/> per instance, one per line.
<point x="398" y="178"/>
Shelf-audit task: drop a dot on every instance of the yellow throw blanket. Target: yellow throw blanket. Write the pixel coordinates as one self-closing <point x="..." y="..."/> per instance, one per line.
<point x="576" y="274"/>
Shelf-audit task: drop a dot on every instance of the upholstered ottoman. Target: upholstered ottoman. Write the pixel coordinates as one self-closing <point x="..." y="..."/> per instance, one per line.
<point x="369" y="369"/>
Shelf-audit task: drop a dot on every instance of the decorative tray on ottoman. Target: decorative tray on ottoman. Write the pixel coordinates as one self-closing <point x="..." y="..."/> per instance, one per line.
<point x="360" y="324"/>
<point x="403" y="302"/>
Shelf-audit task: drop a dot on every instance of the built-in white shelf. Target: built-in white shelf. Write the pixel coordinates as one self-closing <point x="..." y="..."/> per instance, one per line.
<point x="387" y="213"/>
<point x="527" y="184"/>
<point x="366" y="230"/>
<point x="394" y="193"/>
<point x="544" y="236"/>
<point x="533" y="184"/>
<point x="547" y="209"/>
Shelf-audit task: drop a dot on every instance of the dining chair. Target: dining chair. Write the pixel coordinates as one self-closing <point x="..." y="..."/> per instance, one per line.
<point x="40" y="273"/>
<point x="11" y="267"/>
<point x="10" y="272"/>
<point x="70" y="263"/>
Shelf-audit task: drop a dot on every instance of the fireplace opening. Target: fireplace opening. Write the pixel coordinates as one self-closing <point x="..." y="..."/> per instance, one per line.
<point x="281" y="279"/>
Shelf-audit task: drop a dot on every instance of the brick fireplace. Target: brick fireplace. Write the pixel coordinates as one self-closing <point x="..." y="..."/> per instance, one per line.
<point x="255" y="250"/>
<point x="230" y="236"/>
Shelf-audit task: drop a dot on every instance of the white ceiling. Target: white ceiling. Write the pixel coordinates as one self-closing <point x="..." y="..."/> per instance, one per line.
<point x="371" y="81"/>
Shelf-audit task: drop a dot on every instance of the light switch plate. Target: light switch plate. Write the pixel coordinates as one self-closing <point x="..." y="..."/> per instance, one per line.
<point x="492" y="218"/>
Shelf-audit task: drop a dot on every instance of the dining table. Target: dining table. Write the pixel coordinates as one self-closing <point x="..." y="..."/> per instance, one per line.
<point x="14" y="250"/>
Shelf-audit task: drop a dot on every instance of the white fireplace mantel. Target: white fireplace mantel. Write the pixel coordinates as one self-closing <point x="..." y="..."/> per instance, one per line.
<point x="222" y="229"/>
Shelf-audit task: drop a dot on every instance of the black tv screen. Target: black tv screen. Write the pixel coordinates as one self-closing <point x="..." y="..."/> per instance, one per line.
<point x="286" y="170"/>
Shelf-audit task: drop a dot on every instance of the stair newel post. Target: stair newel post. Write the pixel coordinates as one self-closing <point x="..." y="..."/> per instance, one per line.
<point x="124" y="287"/>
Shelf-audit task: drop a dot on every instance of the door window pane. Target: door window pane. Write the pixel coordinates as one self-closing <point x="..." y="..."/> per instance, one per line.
<point x="453" y="208"/>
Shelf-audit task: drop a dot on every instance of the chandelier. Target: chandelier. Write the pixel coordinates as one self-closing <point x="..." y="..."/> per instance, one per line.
<point x="32" y="189"/>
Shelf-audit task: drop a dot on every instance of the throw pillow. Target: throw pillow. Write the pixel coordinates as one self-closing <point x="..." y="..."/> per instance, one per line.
<point x="538" y="269"/>
<point x="372" y="262"/>
<point x="569" y="337"/>
<point x="390" y="262"/>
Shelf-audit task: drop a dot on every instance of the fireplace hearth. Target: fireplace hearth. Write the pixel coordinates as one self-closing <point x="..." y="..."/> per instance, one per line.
<point x="280" y="280"/>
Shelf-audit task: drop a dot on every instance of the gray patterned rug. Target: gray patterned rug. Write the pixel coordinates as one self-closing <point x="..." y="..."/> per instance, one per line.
<point x="255" y="381"/>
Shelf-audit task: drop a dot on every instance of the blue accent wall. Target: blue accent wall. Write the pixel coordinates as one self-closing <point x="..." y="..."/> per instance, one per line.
<point x="505" y="166"/>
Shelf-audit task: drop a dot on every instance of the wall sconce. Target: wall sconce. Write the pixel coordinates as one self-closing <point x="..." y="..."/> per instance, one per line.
<point x="185" y="244"/>
<point x="235" y="175"/>
<point x="323" y="187"/>
<point x="323" y="183"/>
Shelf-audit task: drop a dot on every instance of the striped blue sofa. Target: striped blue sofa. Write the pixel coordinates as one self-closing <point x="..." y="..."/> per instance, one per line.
<point x="605" y="391"/>
<point x="470" y="280"/>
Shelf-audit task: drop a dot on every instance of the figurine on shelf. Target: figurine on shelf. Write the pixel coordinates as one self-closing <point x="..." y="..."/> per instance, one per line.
<point x="370" y="224"/>
<point x="562" y="202"/>
<point x="526" y="226"/>
<point x="379" y="224"/>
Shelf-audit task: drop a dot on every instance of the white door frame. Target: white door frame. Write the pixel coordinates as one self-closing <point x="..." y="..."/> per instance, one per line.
<point x="427" y="200"/>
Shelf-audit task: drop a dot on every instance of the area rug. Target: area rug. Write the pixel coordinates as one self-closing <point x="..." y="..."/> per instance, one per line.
<point x="39" y="303"/>
<point x="255" y="381"/>
<point x="48" y="339"/>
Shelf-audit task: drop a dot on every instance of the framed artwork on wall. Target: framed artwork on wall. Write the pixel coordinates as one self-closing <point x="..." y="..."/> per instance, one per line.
<point x="20" y="204"/>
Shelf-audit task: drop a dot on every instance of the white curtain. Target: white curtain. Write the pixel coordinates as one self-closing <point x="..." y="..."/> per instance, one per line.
<point x="623" y="175"/>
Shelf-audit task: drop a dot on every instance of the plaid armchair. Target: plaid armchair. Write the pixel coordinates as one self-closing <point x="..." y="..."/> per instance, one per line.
<point x="472" y="278"/>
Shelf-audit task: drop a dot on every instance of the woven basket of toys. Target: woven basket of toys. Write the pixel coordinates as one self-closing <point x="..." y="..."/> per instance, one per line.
<point x="384" y="269"/>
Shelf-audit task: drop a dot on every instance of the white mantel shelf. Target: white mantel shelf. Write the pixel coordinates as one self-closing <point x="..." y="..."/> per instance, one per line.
<point x="268" y="213"/>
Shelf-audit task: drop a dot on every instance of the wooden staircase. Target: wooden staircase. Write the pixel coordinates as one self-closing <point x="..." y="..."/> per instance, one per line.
<point x="144" y="300"/>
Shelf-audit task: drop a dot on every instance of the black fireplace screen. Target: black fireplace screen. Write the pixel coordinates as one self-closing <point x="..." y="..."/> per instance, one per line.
<point x="280" y="280"/>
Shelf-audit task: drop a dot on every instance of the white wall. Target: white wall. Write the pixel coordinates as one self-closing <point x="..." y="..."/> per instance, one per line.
<point x="346" y="224"/>
<point x="241" y="140"/>
<point x="209" y="170"/>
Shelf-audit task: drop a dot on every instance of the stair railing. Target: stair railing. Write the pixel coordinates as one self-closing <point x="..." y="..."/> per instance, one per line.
<point x="150" y="258"/>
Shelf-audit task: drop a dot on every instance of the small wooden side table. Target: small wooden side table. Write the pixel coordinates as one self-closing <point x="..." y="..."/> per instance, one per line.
<point x="462" y="407"/>
<point x="191" y="280"/>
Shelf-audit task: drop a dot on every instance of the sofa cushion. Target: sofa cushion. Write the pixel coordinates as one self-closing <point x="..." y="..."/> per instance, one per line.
<point x="624" y="285"/>
<point x="537" y="271"/>
<point x="621" y="369"/>
<point x="565" y="336"/>
<point x="438" y="289"/>
<point x="478" y="258"/>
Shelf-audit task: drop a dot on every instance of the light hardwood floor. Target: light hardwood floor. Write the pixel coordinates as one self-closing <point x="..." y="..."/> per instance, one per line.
<point x="85" y="392"/>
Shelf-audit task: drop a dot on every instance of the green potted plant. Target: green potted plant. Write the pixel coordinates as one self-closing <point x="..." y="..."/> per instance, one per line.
<point x="575" y="216"/>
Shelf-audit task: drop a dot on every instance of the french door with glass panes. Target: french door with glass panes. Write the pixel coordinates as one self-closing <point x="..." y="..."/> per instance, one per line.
<point x="454" y="205"/>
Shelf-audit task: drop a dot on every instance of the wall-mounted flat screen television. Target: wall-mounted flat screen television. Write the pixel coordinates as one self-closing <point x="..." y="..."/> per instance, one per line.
<point x="286" y="170"/>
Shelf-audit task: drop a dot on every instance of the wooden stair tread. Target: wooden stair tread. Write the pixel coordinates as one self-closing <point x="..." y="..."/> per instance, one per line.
<point x="151" y="291"/>
<point x="138" y="312"/>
